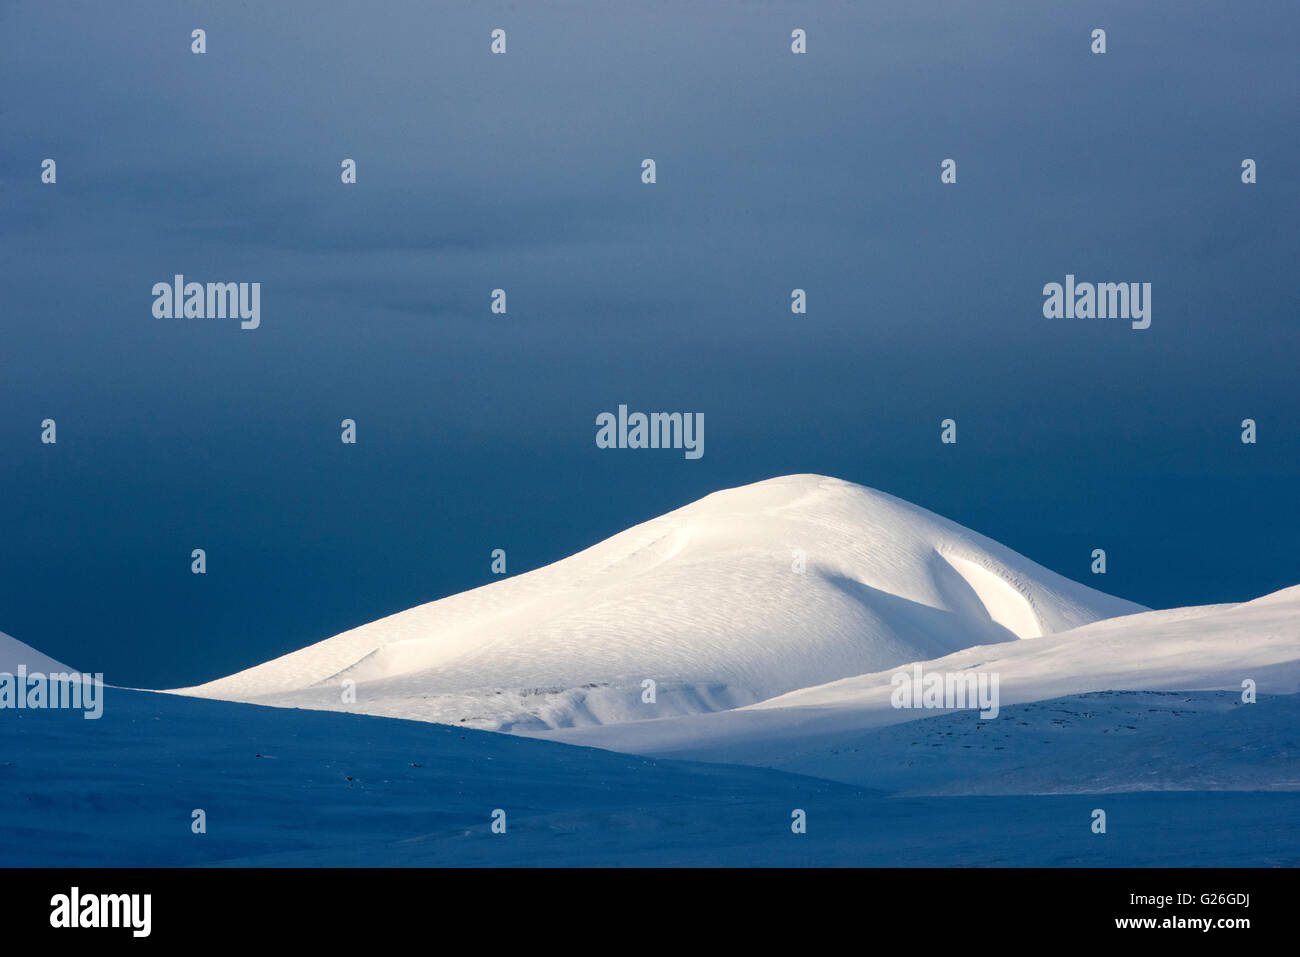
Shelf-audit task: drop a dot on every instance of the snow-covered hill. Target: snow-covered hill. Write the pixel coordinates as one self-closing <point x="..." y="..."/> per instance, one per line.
<point x="14" y="653"/>
<point x="743" y="595"/>
<point x="825" y="730"/>
<point x="778" y="675"/>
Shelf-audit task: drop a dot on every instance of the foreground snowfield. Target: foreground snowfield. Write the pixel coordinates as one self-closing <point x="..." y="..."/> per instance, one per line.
<point x="774" y="692"/>
<point x="708" y="601"/>
<point x="309" y="788"/>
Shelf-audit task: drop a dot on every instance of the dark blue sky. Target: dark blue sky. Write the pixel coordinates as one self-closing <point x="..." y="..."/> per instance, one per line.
<point x="522" y="171"/>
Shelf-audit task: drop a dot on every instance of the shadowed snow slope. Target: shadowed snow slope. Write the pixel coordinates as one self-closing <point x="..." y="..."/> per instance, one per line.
<point x="303" y="788"/>
<point x="745" y="594"/>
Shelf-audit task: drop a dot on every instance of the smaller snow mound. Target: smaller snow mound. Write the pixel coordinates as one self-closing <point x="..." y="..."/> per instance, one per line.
<point x="14" y="653"/>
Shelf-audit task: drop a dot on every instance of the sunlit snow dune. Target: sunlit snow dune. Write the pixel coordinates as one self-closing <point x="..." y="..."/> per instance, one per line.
<point x="743" y="595"/>
<point x="827" y="729"/>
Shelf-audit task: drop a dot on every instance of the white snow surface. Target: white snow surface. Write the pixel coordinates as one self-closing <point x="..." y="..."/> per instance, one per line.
<point x="1096" y="697"/>
<point x="706" y="601"/>
<point x="823" y="730"/>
